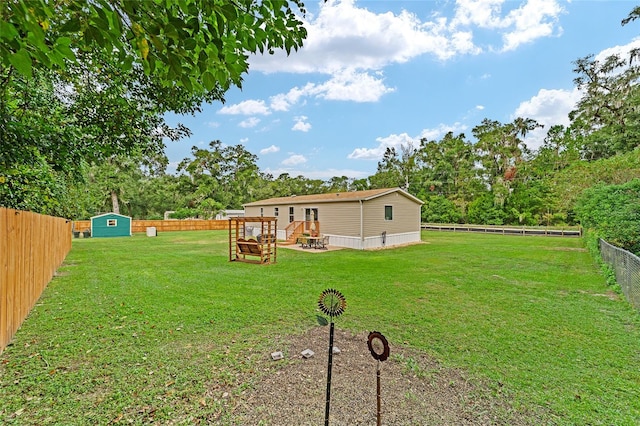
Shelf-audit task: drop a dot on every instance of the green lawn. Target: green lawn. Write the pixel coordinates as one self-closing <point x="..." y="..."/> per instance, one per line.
<point x="140" y="328"/>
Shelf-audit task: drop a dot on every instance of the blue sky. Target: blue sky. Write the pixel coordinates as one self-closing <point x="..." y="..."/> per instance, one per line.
<point x="377" y="74"/>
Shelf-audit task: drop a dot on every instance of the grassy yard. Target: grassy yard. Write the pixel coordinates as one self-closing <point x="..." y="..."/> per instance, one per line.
<point x="165" y="328"/>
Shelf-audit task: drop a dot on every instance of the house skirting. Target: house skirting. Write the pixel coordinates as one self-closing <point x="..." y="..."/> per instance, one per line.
<point x="374" y="242"/>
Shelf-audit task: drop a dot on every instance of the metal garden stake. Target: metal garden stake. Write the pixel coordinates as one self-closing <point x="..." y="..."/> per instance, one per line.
<point x="379" y="348"/>
<point x="331" y="303"/>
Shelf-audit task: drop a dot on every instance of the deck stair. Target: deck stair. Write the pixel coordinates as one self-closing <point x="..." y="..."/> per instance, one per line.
<point x="296" y="229"/>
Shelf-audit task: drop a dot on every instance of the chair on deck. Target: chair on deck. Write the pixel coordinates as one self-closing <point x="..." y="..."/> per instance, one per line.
<point x="303" y="241"/>
<point x="322" y="242"/>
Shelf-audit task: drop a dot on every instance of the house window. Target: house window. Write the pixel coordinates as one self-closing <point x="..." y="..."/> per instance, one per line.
<point x="388" y="212"/>
<point x="275" y="211"/>
<point x="261" y="211"/>
<point x="291" y="215"/>
<point x="112" y="222"/>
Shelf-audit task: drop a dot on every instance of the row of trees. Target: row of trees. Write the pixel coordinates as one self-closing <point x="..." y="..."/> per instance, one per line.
<point x="85" y="87"/>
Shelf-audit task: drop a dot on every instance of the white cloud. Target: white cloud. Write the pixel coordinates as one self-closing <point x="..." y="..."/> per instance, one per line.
<point x="352" y="45"/>
<point x="319" y="174"/>
<point x="346" y="85"/>
<point x="549" y="108"/>
<point x="249" y="122"/>
<point x="533" y="20"/>
<point x="294" y="159"/>
<point x="283" y="101"/>
<point x="349" y="85"/>
<point x="250" y="107"/>
<point x="481" y="13"/>
<point x="442" y="129"/>
<point x="301" y="124"/>
<point x="397" y="141"/>
<point x="391" y="141"/>
<point x="622" y="51"/>
<point x="344" y="35"/>
<point x="269" y="150"/>
<point x="244" y="140"/>
<point x="212" y="124"/>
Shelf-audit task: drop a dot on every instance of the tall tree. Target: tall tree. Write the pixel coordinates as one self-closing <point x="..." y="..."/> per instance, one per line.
<point x="388" y="173"/>
<point x="225" y="174"/>
<point x="559" y="149"/>
<point x="501" y="150"/>
<point x="396" y="169"/>
<point x="447" y="171"/>
<point x="339" y="184"/>
<point x="447" y="166"/>
<point x="115" y="181"/>
<point x="608" y="116"/>
<point x="500" y="147"/>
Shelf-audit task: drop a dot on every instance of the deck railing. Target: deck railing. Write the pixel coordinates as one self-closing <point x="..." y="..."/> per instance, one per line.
<point x="293" y="229"/>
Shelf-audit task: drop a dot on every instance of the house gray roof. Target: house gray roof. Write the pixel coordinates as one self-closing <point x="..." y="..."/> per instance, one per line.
<point x="333" y="197"/>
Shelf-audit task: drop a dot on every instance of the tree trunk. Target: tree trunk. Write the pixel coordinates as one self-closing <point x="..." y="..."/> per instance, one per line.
<point x="114" y="201"/>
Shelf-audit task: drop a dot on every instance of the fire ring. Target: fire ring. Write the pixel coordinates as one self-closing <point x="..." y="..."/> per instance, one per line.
<point x="378" y="346"/>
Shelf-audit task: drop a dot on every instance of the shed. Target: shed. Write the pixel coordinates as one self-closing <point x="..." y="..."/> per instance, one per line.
<point x="368" y="219"/>
<point x="110" y="225"/>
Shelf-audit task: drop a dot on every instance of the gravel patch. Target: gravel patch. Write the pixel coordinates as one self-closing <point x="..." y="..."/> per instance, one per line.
<point x="415" y="390"/>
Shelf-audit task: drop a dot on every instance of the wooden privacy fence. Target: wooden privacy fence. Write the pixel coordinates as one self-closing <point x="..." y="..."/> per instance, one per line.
<point x="32" y="247"/>
<point x="164" y="225"/>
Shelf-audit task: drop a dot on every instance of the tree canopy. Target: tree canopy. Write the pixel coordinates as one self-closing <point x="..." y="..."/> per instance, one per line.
<point x="84" y="82"/>
<point x="197" y="44"/>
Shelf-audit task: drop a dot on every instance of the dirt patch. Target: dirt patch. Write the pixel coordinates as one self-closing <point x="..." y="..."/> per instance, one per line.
<point x="610" y="294"/>
<point x="579" y="249"/>
<point x="415" y="390"/>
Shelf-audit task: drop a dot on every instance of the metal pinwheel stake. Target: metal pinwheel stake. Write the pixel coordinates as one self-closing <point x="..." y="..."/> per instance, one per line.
<point x="331" y="303"/>
<point x="379" y="348"/>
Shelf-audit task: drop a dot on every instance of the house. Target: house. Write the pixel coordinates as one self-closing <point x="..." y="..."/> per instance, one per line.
<point x="223" y="214"/>
<point x="360" y="220"/>
<point x="110" y="225"/>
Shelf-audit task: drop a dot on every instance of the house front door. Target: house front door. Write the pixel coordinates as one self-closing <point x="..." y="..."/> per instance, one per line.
<point x="310" y="219"/>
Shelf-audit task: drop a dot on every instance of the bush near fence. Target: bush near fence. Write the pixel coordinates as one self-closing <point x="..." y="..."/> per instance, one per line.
<point x="626" y="266"/>
<point x="32" y="247"/>
<point x="164" y="225"/>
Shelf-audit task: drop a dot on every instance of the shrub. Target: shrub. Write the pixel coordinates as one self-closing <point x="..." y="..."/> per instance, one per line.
<point x="184" y="213"/>
<point x="613" y="211"/>
<point x="439" y="209"/>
